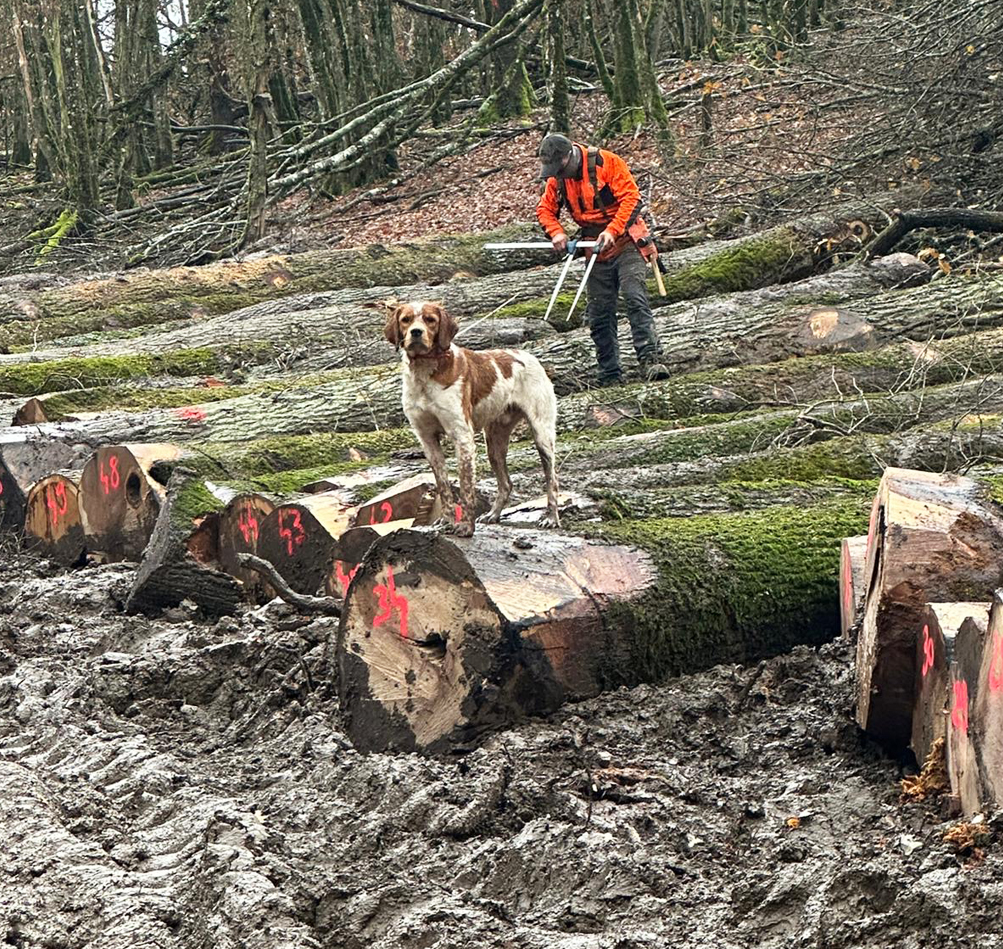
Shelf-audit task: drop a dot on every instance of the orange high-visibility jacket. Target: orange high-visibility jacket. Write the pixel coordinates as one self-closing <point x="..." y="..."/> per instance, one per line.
<point x="617" y="191"/>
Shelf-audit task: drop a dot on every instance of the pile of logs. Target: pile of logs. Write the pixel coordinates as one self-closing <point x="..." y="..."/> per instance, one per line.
<point x="922" y="590"/>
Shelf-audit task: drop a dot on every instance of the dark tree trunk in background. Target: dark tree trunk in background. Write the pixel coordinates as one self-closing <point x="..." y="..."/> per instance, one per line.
<point x="560" y="108"/>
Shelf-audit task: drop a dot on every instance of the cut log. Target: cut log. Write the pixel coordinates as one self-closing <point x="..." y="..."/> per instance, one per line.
<point x="962" y="751"/>
<point x="52" y="524"/>
<point x="120" y="500"/>
<point x="937" y="538"/>
<point x="352" y="546"/>
<point x="414" y="499"/>
<point x="179" y="562"/>
<point x="934" y="654"/>
<point x="25" y="458"/>
<point x="239" y="529"/>
<point x="987" y="717"/>
<point x="31" y="413"/>
<point x="299" y="539"/>
<point x="441" y="639"/>
<point x="851" y="583"/>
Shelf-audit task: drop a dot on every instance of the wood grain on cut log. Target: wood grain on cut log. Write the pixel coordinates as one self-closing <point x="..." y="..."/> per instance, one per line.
<point x="27" y="456"/>
<point x="987" y="717"/>
<point x="181" y="558"/>
<point x="852" y="554"/>
<point x="934" y="654"/>
<point x="415" y="499"/>
<point x="441" y="638"/>
<point x="936" y="538"/>
<point x="962" y="749"/>
<point x="52" y="524"/>
<point x="119" y="499"/>
<point x="352" y="546"/>
<point x="299" y="539"/>
<point x="31" y="412"/>
<point x="239" y="529"/>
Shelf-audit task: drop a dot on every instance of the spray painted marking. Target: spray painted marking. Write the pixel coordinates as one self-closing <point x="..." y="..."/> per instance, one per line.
<point x="928" y="651"/>
<point x="343" y="578"/>
<point x="458" y="513"/>
<point x="293" y="534"/>
<point x="191" y="415"/>
<point x="390" y="601"/>
<point x="55" y="500"/>
<point x="959" y="714"/>
<point x="996" y="666"/>
<point x="248" y="525"/>
<point x="110" y="480"/>
<point x="388" y="513"/>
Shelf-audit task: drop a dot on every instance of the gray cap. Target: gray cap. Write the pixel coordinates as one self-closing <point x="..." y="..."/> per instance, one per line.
<point x="553" y="150"/>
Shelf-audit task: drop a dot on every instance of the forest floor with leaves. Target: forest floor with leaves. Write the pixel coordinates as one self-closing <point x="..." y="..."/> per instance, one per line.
<point x="172" y="784"/>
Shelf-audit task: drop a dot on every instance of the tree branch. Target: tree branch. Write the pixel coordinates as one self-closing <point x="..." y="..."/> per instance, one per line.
<point x="325" y="605"/>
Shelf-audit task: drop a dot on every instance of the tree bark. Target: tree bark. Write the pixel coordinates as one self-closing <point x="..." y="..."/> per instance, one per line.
<point x="921" y="523"/>
<point x="179" y="560"/>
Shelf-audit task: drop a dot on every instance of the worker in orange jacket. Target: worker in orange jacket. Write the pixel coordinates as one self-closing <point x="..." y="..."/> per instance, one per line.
<point x="598" y="189"/>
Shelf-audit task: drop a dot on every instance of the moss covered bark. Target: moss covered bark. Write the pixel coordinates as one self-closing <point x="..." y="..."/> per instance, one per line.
<point x="734" y="587"/>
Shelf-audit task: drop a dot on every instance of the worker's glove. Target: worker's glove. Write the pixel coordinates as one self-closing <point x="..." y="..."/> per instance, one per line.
<point x="560" y="242"/>
<point x="604" y="241"/>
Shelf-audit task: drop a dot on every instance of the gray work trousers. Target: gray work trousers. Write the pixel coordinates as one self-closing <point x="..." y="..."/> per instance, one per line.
<point x="625" y="275"/>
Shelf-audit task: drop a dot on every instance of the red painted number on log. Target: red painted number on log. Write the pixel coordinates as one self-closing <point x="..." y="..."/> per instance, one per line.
<point x="458" y="513"/>
<point x="959" y="714"/>
<point x="110" y="479"/>
<point x="927" y="651"/>
<point x="388" y="513"/>
<point x="343" y="578"/>
<point x="390" y="601"/>
<point x="996" y="666"/>
<point x="293" y="535"/>
<point x="55" y="499"/>
<point x="248" y="525"/>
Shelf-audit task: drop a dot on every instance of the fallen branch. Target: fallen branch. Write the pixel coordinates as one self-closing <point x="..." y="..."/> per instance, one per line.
<point x="906" y="221"/>
<point x="325" y="605"/>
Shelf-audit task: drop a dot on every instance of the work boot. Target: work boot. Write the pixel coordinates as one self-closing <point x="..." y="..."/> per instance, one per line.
<point x="654" y="371"/>
<point x="606" y="381"/>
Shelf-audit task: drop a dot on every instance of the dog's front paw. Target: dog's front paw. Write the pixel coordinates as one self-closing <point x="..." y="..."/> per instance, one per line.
<point x="491" y="517"/>
<point x="550" y="521"/>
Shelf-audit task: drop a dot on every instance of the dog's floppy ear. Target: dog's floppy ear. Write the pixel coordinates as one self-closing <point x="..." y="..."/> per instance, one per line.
<point x="447" y="328"/>
<point x="392" y="328"/>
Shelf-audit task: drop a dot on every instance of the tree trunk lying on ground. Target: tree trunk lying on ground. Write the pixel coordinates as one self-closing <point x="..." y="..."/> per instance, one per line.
<point x="179" y="562"/>
<point x="935" y="640"/>
<point x="934" y="538"/>
<point x="541" y="624"/>
<point x="52" y="523"/>
<point x="851" y="582"/>
<point x="150" y="297"/>
<point x="962" y="749"/>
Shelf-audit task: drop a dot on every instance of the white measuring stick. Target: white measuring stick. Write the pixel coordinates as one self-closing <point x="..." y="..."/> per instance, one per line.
<point x="530" y="245"/>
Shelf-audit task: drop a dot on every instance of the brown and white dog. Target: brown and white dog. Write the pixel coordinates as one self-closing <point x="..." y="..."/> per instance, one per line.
<point x="458" y="392"/>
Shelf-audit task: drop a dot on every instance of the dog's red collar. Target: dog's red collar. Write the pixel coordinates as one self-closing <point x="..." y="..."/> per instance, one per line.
<point x="427" y="355"/>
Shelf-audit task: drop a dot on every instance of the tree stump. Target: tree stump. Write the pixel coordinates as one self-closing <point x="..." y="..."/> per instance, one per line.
<point x="299" y="539"/>
<point x="936" y="538"/>
<point x="443" y="638"/>
<point x="52" y="524"/>
<point x="988" y="706"/>
<point x="852" y="557"/>
<point x="120" y="500"/>
<point x="962" y="751"/>
<point x="179" y="560"/>
<point x="239" y="530"/>
<point x="934" y="654"/>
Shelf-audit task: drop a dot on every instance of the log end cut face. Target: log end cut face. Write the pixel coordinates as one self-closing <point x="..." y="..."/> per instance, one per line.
<point x="422" y="649"/>
<point x="299" y="542"/>
<point x="52" y="523"/>
<point x="239" y="530"/>
<point x="119" y="503"/>
<point x="989" y="706"/>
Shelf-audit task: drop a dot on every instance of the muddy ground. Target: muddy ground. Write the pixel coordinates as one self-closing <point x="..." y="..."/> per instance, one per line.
<point x="174" y="784"/>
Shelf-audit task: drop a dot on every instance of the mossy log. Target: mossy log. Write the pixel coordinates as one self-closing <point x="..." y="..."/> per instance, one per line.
<point x="935" y="652"/>
<point x="852" y="554"/>
<point x="149" y="297"/>
<point x="441" y="639"/>
<point x="963" y="751"/>
<point x="987" y="707"/>
<point x="298" y="538"/>
<point x="936" y="538"/>
<point x="239" y="529"/>
<point x="52" y="523"/>
<point x="180" y="562"/>
<point x="120" y="500"/>
<point x="729" y="588"/>
<point x="27" y="456"/>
